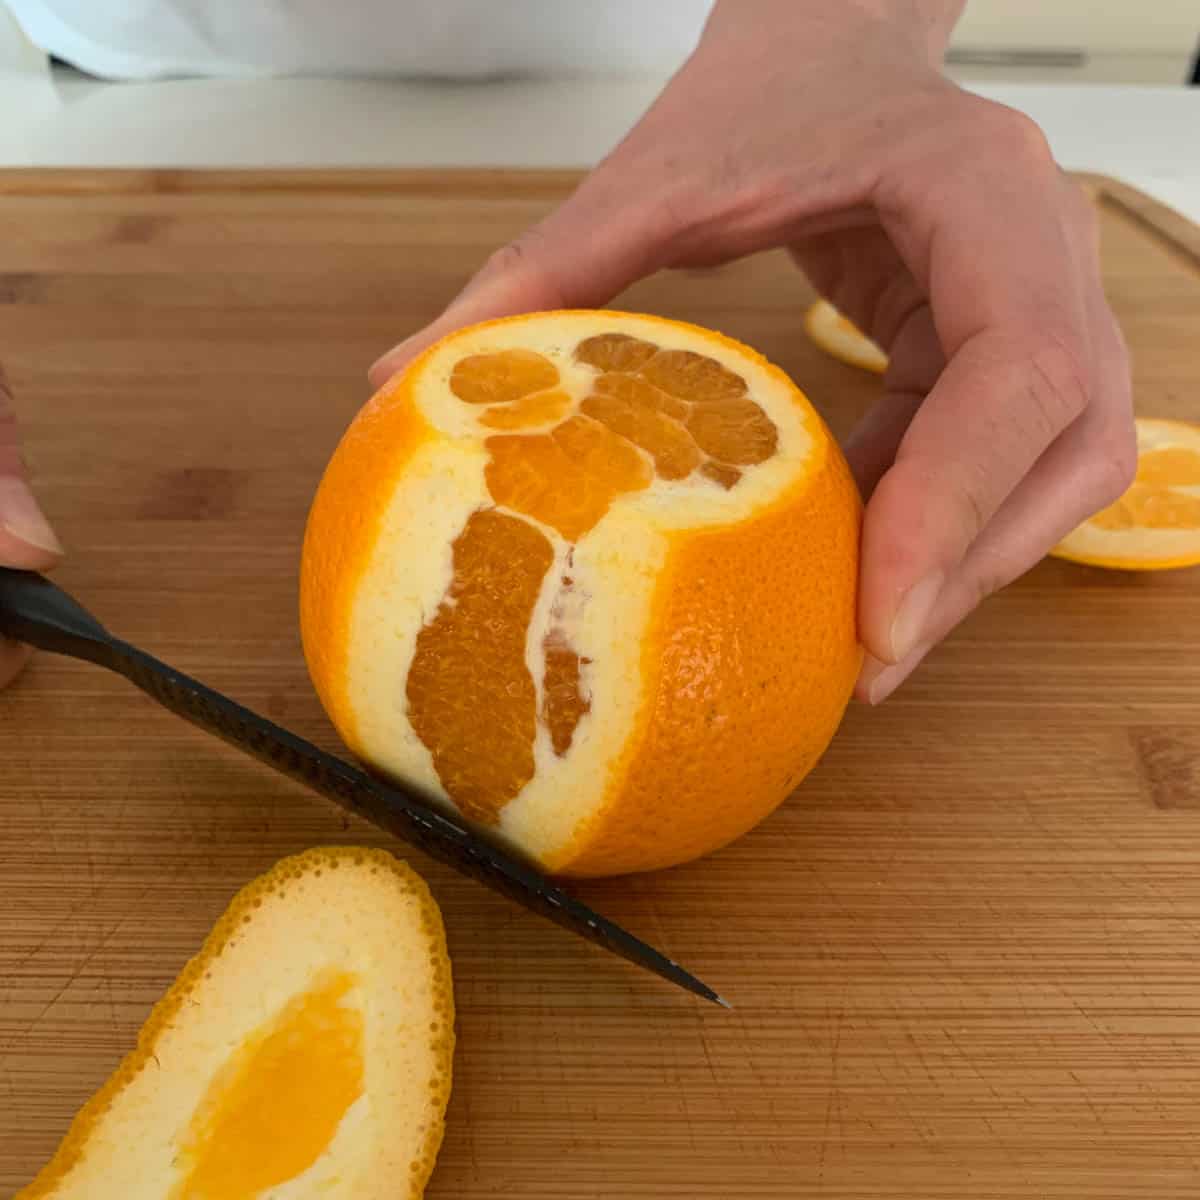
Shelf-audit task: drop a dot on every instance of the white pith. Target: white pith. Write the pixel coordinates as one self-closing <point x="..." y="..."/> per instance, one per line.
<point x="615" y="570"/>
<point x="372" y="931"/>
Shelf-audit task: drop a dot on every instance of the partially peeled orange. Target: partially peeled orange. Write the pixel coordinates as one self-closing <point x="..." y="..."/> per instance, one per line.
<point x="588" y="579"/>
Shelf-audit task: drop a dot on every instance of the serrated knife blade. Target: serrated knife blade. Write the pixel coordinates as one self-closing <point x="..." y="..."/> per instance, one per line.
<point x="36" y="611"/>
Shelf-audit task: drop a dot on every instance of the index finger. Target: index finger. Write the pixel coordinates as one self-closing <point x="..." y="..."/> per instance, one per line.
<point x="988" y="239"/>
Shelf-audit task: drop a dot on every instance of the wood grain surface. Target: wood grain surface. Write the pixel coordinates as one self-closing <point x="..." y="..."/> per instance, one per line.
<point x="964" y="957"/>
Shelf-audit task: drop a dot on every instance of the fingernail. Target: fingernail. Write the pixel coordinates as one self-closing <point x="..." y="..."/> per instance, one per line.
<point x="870" y="671"/>
<point x="20" y="516"/>
<point x="913" y="613"/>
<point x="886" y="682"/>
<point x="878" y="680"/>
<point x="383" y="363"/>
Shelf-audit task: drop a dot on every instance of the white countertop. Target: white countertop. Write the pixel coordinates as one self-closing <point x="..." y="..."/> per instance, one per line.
<point x="1148" y="136"/>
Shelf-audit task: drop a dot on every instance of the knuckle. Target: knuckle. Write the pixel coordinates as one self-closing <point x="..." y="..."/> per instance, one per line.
<point x="711" y="214"/>
<point x="1020" y="136"/>
<point x="1059" y="383"/>
<point x="966" y="485"/>
<point x="1114" y="464"/>
<point x="523" y="262"/>
<point x="973" y="514"/>
<point x="515" y="256"/>
<point x="683" y="211"/>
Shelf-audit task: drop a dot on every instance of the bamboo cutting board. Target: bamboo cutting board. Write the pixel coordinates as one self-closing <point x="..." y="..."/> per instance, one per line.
<point x="964" y="958"/>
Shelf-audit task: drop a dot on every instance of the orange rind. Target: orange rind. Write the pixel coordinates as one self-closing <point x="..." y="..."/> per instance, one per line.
<point x="304" y="1052"/>
<point x="840" y="337"/>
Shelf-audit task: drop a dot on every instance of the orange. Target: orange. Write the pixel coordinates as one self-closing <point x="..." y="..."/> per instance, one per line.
<point x="843" y="339"/>
<point x="588" y="579"/>
<point x="1156" y="523"/>
<point x="304" y="1052"/>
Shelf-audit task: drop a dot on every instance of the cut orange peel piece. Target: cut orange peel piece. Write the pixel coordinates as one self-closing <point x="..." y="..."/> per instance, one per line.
<point x="1155" y="525"/>
<point x="840" y="337"/>
<point x="587" y="579"/>
<point x="304" y="1052"/>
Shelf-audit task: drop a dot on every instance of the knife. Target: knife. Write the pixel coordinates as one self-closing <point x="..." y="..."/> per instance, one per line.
<point x="35" y="611"/>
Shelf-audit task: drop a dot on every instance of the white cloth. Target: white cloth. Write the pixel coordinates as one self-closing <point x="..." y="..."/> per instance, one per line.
<point x="18" y="55"/>
<point x="147" y="39"/>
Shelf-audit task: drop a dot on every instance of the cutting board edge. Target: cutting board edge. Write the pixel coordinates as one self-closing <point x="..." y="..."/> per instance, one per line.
<point x="1166" y="223"/>
<point x="1169" y="225"/>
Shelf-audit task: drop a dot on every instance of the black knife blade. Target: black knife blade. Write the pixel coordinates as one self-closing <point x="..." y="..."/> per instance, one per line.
<point x="36" y="611"/>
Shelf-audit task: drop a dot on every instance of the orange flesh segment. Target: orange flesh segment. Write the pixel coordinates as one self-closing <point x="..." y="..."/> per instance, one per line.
<point x="692" y="377"/>
<point x="720" y="473"/>
<point x="1150" y="503"/>
<point x="675" y="454"/>
<point x="734" y="431"/>
<point x="539" y="409"/>
<point x="501" y="377"/>
<point x="564" y="704"/>
<point x="274" y="1107"/>
<point x="1146" y="507"/>
<point x="636" y="391"/>
<point x="1175" y="466"/>
<point x="566" y="478"/>
<point x="651" y="413"/>
<point x="615" y="352"/>
<point x="471" y="699"/>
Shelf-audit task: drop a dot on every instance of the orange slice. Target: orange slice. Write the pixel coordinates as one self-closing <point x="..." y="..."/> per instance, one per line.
<point x="1155" y="525"/>
<point x="615" y="637"/>
<point x="304" y="1052"/>
<point x="843" y="339"/>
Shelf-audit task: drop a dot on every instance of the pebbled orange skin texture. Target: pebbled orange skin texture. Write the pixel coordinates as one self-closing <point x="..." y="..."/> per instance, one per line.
<point x="763" y="702"/>
<point x="769" y="695"/>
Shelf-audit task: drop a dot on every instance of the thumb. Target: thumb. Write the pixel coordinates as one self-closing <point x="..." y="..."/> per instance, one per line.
<point x="26" y="539"/>
<point x="585" y="252"/>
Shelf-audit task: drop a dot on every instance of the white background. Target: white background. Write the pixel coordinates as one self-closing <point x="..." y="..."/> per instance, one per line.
<point x="1149" y="136"/>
